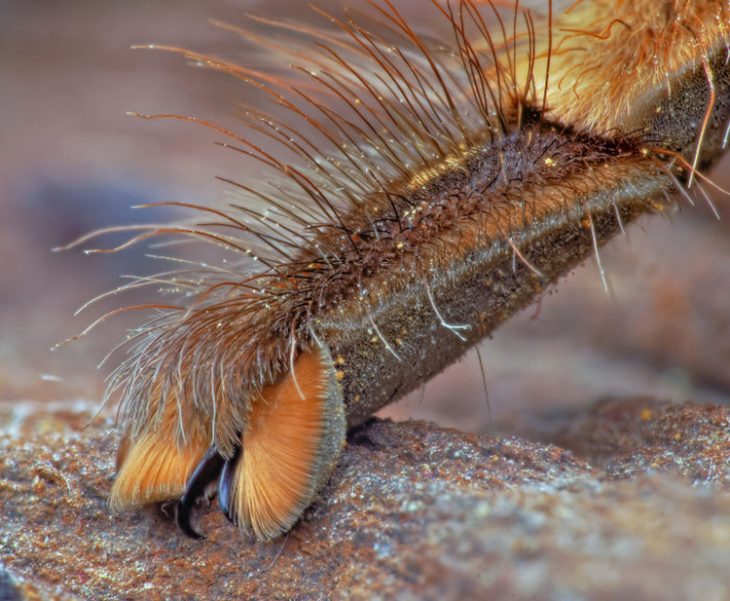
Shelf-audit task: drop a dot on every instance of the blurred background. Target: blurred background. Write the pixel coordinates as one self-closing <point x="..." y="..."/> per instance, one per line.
<point x="71" y="160"/>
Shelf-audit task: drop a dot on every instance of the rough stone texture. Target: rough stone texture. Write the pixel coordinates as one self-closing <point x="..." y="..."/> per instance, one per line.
<point x="639" y="510"/>
<point x="665" y="331"/>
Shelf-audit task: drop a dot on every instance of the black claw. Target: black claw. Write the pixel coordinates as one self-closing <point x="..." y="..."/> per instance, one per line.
<point x="225" y="484"/>
<point x="183" y="522"/>
<point x="204" y="475"/>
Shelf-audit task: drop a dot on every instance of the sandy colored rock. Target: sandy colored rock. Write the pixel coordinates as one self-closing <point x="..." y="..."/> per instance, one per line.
<point x="414" y="511"/>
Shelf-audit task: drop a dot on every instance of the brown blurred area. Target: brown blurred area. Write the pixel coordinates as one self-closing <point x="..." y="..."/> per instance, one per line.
<point x="72" y="161"/>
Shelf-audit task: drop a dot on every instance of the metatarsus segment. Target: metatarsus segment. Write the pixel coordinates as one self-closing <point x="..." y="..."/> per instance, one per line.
<point x="440" y="303"/>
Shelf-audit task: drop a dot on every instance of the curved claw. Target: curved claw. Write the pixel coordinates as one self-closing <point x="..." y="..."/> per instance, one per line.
<point x="225" y="484"/>
<point x="202" y="477"/>
<point x="183" y="522"/>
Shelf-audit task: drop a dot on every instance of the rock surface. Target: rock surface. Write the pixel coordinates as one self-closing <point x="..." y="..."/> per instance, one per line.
<point x="634" y="504"/>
